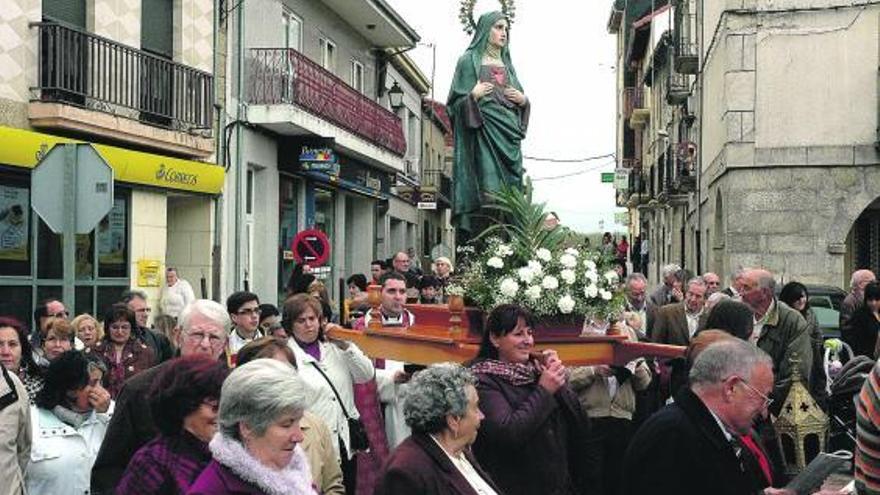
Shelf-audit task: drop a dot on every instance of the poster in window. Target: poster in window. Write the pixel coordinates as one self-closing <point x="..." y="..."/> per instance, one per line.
<point x="111" y="235"/>
<point x="14" y="209"/>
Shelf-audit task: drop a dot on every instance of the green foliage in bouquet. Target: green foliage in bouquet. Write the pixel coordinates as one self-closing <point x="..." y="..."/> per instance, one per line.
<point x="521" y="260"/>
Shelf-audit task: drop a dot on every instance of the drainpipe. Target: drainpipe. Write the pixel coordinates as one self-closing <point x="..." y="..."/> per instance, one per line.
<point x="219" y="153"/>
<point x="699" y="168"/>
<point x="238" y="142"/>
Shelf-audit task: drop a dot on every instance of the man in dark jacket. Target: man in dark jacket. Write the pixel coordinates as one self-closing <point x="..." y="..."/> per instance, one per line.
<point x="779" y="331"/>
<point x="161" y="346"/>
<point x="204" y="327"/>
<point x="693" y="445"/>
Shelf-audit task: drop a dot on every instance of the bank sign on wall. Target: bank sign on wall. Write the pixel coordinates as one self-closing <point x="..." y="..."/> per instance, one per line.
<point x="25" y="149"/>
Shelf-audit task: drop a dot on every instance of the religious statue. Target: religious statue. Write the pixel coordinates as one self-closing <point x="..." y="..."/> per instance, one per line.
<point x="489" y="115"/>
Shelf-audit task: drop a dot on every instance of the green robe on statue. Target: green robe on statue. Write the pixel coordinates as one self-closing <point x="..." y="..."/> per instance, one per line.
<point x="488" y="133"/>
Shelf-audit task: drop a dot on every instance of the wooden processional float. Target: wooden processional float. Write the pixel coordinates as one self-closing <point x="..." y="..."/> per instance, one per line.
<point x="452" y="332"/>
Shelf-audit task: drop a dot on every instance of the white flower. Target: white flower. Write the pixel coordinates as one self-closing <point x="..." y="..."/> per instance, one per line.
<point x="591" y="291"/>
<point x="612" y="277"/>
<point x="565" y="304"/>
<point x="503" y="251"/>
<point x="590" y="264"/>
<point x="550" y="282"/>
<point x="568" y="276"/>
<point x="509" y="287"/>
<point x="495" y="262"/>
<point x="536" y="268"/>
<point x="606" y="295"/>
<point x="568" y="260"/>
<point x="526" y="274"/>
<point x="544" y="254"/>
<point x="533" y="292"/>
<point x="572" y="251"/>
<point x="592" y="275"/>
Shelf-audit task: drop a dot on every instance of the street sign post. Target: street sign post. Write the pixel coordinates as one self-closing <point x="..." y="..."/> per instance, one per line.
<point x="74" y="191"/>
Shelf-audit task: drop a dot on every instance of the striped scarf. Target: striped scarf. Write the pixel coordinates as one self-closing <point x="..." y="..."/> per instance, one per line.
<point x="516" y="373"/>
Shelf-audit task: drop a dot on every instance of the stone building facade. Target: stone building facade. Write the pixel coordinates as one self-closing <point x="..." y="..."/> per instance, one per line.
<point x="784" y="110"/>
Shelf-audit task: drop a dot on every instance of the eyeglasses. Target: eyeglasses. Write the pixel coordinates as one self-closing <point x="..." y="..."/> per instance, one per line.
<point x="248" y="312"/>
<point x="61" y="314"/>
<point x="143" y="310"/>
<point x="214" y="404"/>
<point x="198" y="337"/>
<point x="122" y="327"/>
<point x="767" y="400"/>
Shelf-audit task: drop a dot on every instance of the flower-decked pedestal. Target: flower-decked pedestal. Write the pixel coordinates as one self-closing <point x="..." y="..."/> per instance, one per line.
<point x="564" y="287"/>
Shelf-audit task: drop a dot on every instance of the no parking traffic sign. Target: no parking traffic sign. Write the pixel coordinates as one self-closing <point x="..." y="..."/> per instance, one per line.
<point x="311" y="247"/>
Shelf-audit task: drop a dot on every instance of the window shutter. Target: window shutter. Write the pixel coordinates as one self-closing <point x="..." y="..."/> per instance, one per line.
<point x="72" y="12"/>
<point x="157" y="27"/>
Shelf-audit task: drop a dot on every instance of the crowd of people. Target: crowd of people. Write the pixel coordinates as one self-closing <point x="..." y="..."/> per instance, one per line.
<point x="254" y="398"/>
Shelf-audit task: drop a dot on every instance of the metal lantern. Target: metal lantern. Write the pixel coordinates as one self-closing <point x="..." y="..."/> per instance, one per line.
<point x="802" y="426"/>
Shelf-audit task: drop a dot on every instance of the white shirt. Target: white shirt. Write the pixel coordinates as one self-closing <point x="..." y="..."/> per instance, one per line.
<point x="61" y="455"/>
<point x="693" y="321"/>
<point x="759" y="325"/>
<point x="236" y="341"/>
<point x="344" y="369"/>
<point x="390" y="394"/>
<point x="173" y="299"/>
<point x="467" y="470"/>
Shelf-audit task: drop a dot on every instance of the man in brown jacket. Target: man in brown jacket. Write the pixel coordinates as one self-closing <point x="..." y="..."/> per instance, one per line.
<point x="676" y="323"/>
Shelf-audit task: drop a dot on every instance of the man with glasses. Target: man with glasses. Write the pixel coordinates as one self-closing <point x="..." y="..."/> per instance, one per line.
<point x="43" y="314"/>
<point x="204" y="326"/>
<point x="137" y="302"/>
<point x="244" y="310"/>
<point x="702" y="442"/>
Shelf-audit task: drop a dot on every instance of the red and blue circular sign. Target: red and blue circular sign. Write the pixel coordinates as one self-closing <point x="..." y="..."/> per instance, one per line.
<point x="311" y="247"/>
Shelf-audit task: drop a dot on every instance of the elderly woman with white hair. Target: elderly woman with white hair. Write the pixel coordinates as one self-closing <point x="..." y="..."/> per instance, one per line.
<point x="443" y="268"/>
<point x="256" y="450"/>
<point x="441" y="407"/>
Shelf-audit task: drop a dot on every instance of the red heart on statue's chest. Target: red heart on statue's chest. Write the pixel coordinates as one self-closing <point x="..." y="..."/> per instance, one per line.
<point x="499" y="76"/>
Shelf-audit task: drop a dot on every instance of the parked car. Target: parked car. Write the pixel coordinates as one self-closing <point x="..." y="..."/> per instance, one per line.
<point x="825" y="301"/>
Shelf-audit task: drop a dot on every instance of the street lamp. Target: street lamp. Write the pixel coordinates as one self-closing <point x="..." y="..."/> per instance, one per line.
<point x="395" y="96"/>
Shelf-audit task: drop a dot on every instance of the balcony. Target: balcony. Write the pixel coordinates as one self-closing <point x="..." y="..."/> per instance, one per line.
<point x="638" y="188"/>
<point x="677" y="88"/>
<point x="290" y="94"/>
<point x="685" y="179"/>
<point x="90" y="84"/>
<point x="635" y="109"/>
<point x="436" y="185"/>
<point x="687" y="59"/>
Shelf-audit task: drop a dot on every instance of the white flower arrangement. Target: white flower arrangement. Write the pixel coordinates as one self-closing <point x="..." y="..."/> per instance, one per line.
<point x="559" y="281"/>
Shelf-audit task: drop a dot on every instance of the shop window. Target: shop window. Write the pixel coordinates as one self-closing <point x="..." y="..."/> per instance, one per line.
<point x="15" y="301"/>
<point x="49" y="252"/>
<point x="112" y="243"/>
<point x="325" y="211"/>
<point x="15" y="232"/>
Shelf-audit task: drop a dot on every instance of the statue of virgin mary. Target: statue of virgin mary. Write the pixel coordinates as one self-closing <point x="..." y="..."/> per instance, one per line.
<point x="489" y="114"/>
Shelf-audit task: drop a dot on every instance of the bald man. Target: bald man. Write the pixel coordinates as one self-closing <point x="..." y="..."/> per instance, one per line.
<point x="779" y="330"/>
<point x="856" y="296"/>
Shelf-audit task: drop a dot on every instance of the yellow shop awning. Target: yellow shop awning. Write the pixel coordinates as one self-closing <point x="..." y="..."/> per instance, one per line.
<point x="21" y="148"/>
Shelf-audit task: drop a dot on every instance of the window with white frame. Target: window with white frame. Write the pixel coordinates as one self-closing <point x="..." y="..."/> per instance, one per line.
<point x="292" y="30"/>
<point x="357" y="76"/>
<point x="328" y="54"/>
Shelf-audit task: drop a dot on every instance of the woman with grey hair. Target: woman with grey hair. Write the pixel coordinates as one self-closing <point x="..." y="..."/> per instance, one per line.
<point x="256" y="449"/>
<point x="441" y="407"/>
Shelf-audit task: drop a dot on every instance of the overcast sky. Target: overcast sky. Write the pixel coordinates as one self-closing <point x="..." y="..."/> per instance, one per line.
<point x="564" y="58"/>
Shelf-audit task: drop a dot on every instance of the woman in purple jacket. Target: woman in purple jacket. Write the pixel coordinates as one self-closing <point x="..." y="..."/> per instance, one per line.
<point x="257" y="449"/>
<point x="535" y="437"/>
<point x="183" y="402"/>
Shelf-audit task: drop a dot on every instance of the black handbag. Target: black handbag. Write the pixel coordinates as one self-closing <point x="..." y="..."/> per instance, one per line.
<point x="357" y="432"/>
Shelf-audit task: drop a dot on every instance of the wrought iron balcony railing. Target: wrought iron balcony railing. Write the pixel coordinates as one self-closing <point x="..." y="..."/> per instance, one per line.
<point x="87" y="70"/>
<point x="284" y="75"/>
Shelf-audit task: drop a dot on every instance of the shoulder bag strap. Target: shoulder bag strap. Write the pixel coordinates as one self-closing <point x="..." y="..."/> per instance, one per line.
<point x="338" y="398"/>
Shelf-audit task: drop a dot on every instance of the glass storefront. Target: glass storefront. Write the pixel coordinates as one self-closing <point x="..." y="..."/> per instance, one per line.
<point x="31" y="261"/>
<point x="287" y="216"/>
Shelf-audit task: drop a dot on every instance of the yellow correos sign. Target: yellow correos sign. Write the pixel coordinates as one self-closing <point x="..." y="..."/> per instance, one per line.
<point x="23" y="148"/>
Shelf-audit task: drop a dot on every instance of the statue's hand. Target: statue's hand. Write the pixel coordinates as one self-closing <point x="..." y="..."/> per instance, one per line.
<point x="515" y="95"/>
<point x="481" y="89"/>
